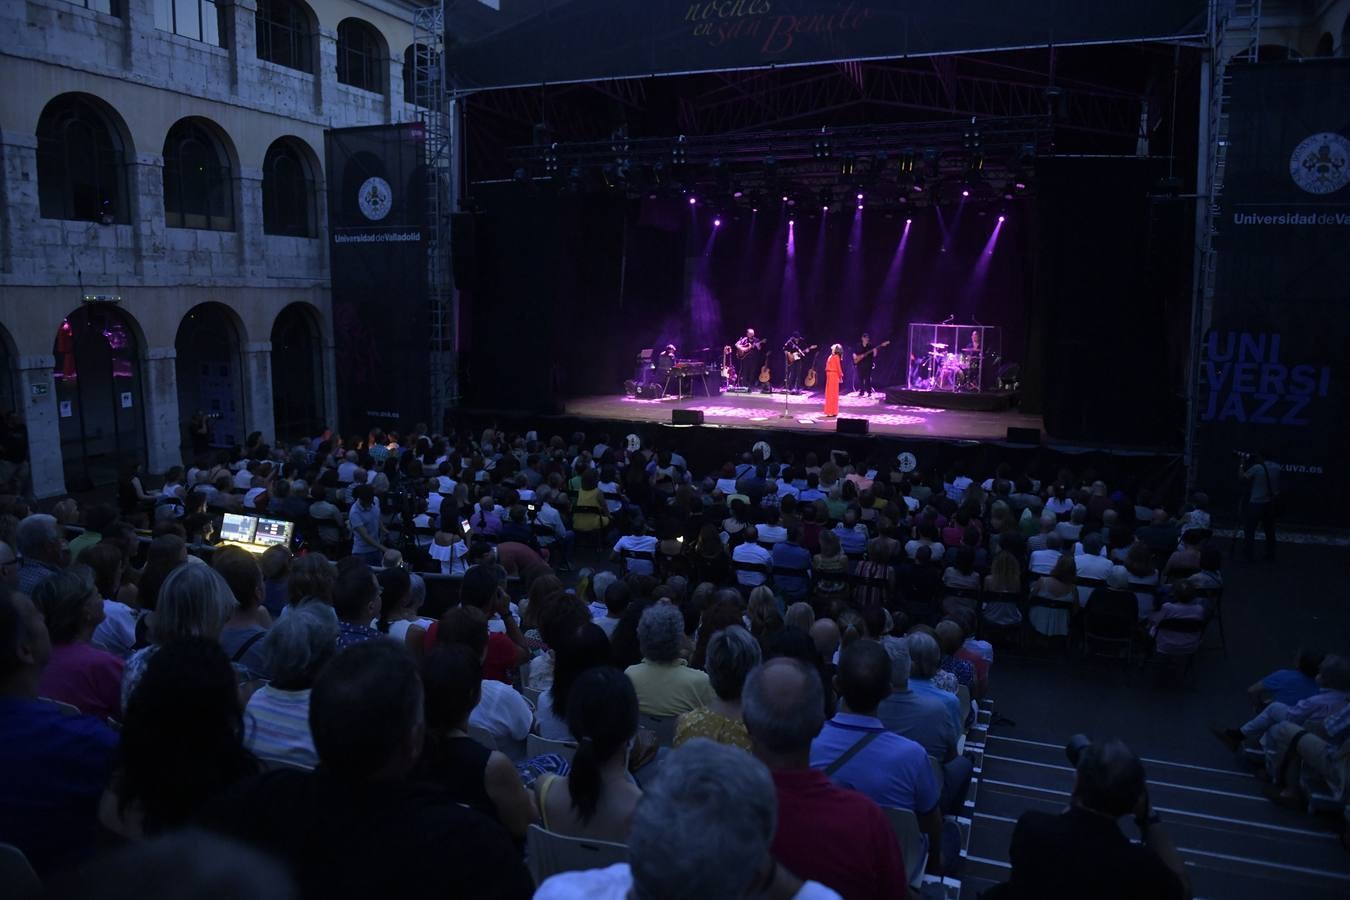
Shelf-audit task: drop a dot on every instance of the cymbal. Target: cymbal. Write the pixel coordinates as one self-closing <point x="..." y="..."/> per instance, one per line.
<point x="937" y="346"/>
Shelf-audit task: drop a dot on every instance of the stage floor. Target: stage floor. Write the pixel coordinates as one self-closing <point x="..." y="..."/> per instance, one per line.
<point x="807" y="415"/>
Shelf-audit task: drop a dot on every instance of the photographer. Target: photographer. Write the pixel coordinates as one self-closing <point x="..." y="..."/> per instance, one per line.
<point x="1082" y="852"/>
<point x="1263" y="495"/>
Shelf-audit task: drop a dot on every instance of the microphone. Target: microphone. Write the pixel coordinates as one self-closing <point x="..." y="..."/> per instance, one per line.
<point x="949" y="318"/>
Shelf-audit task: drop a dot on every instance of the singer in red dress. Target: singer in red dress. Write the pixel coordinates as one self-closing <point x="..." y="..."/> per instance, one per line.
<point x="834" y="376"/>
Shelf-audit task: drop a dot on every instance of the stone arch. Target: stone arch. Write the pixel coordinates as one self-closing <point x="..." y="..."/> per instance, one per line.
<point x="210" y="374"/>
<point x="298" y="379"/>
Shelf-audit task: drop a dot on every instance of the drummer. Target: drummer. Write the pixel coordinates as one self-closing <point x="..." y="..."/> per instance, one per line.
<point x="974" y="348"/>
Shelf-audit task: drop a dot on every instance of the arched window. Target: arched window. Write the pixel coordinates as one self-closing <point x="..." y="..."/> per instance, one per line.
<point x="419" y="56"/>
<point x="360" y="56"/>
<point x="288" y="191"/>
<point x="285" y="34"/>
<point x="198" y="183"/>
<point x="80" y="166"/>
<point x="201" y="20"/>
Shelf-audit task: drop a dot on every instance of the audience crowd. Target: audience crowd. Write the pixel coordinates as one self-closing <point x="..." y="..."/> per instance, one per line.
<point x="772" y="670"/>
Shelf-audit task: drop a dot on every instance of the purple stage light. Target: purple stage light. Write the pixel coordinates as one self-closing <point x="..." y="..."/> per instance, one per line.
<point x="717" y="223"/>
<point x="738" y="194"/>
<point x="909" y="222"/>
<point x="785" y="199"/>
<point x="754" y="209"/>
<point x="1020" y="186"/>
<point x="860" y="196"/>
<point x="1000" y="218"/>
<point x="918" y="189"/>
<point x="693" y="200"/>
<point x="791" y="222"/>
<point x="825" y="209"/>
<point x="964" y="193"/>
<point x="860" y="207"/>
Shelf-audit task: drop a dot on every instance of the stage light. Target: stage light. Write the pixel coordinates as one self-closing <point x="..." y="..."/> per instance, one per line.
<point x="1020" y="186"/>
<point x="909" y="221"/>
<point x="859" y="207"/>
<point x="754" y="209"/>
<point x="785" y="199"/>
<point x="791" y="222"/>
<point x="918" y="188"/>
<point x="824" y="209"/>
<point x="693" y="200"/>
<point x="717" y="223"/>
<point x="860" y="196"/>
<point x="965" y="192"/>
<point x="1000" y="218"/>
<point x="738" y="194"/>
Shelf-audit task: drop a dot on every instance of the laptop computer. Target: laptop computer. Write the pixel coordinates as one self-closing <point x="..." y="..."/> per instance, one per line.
<point x="255" y="533"/>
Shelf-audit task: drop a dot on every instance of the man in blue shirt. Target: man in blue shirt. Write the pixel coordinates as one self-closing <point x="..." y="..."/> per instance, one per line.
<point x="857" y="751"/>
<point x="924" y="660"/>
<point x="53" y="767"/>
<point x="923" y="718"/>
<point x="852" y="533"/>
<point x="790" y="554"/>
<point x="364" y="520"/>
<point x="1289" y="686"/>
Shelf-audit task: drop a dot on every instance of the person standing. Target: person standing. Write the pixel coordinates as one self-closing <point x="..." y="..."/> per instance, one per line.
<point x="1262" y="477"/>
<point x="863" y="359"/>
<point x="834" y="376"/>
<point x="748" y="358"/>
<point x="794" y="354"/>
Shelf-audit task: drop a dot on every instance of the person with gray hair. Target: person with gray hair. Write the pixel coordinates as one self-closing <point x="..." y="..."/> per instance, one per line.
<point x="41" y="543"/>
<point x="78" y="673"/>
<point x="825" y="832"/>
<point x="717" y="808"/>
<point x="925" y="658"/>
<point x="665" y="684"/>
<point x="732" y="653"/>
<point x="276" y="718"/>
<point x="923" y="718"/>
<point x="193" y="601"/>
<point x="1332" y="696"/>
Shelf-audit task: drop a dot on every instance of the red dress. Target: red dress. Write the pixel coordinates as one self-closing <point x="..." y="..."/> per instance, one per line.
<point x="834" y="376"/>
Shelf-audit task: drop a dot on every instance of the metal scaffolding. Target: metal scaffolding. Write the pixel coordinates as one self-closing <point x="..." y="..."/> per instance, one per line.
<point x="437" y="111"/>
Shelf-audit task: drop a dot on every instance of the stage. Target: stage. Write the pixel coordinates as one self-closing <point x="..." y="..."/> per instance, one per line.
<point x="765" y="411"/>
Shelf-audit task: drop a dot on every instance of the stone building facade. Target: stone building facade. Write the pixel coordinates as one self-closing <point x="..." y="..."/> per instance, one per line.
<point x="163" y="238"/>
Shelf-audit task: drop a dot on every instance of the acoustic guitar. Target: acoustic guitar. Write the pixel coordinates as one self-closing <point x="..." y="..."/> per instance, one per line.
<point x="745" y="345"/>
<point x="764" y="375"/>
<point x="810" y="379"/>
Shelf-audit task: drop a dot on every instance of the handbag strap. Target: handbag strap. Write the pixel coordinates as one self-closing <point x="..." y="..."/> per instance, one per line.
<point x="858" y="747"/>
<point x="244" y="647"/>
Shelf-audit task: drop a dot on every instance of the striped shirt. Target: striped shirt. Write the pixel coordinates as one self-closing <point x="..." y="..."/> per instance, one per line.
<point x="276" y="727"/>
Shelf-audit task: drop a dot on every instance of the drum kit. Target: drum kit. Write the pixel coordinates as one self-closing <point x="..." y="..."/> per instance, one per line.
<point x="944" y="370"/>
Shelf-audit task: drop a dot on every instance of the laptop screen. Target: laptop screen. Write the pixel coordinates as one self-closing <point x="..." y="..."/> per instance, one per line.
<point x="238" y="528"/>
<point x="273" y="531"/>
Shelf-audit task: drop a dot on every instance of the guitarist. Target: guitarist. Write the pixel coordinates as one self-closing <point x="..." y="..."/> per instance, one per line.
<point x="747" y="358"/>
<point x="794" y="353"/>
<point x="863" y="359"/>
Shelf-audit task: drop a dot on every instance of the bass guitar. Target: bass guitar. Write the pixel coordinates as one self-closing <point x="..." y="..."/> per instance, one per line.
<point x="859" y="357"/>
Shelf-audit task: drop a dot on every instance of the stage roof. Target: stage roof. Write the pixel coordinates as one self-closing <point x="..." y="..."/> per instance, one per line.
<point x="533" y="42"/>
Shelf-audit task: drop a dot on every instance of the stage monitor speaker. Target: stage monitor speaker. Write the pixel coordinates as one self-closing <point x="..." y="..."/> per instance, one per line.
<point x="686" y="417"/>
<point x="1024" y="435"/>
<point x="851" y="426"/>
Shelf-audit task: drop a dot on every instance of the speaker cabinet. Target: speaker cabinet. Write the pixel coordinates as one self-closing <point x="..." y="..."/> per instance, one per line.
<point x="686" y="417"/>
<point x="851" y="426"/>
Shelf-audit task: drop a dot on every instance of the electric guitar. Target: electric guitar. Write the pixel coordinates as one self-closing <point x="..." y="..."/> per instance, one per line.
<point x="793" y="356"/>
<point x="859" y="357"/>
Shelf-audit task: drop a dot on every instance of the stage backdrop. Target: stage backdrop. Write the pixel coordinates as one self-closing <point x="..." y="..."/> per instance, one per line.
<point x="1274" y="362"/>
<point x="531" y="42"/>
<point x="376" y="218"/>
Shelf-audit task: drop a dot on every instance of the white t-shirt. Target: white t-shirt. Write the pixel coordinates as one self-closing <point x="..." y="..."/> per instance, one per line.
<point x="726" y="485"/>
<point x="751" y="553"/>
<point x="1043" y="561"/>
<point x="642" y="543"/>
<point x="243" y="479"/>
<point x="771" y="534"/>
<point x="1091" y="567"/>
<point x="117" y="632"/>
<point x="615" y="883"/>
<point x="502" y="711"/>
<point x="346" y="472"/>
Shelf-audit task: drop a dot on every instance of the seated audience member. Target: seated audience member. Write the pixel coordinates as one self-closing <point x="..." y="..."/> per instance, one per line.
<point x="311" y="580"/>
<point x="710" y="558"/>
<point x="925" y="719"/>
<point x="771" y="531"/>
<point x="1089" y="562"/>
<point x="182" y="741"/>
<point x="1186" y="561"/>
<point x="732" y="653"/>
<point x="1139" y="563"/>
<point x="1042" y="562"/>
<point x="979" y="653"/>
<point x="241" y="638"/>
<point x="800" y="616"/>
<point x="275" y="564"/>
<point x="925" y="657"/>
<point x="719" y="809"/>
<point x="1041" y="540"/>
<point x="77" y="672"/>
<point x="665" y="684"/>
<point x="616" y="596"/>
<point x="1057" y="586"/>
<point x="356" y="600"/>
<point x="1184" y="605"/>
<point x="1333" y="694"/>
<point x="750" y="552"/>
<point x="790" y="554"/>
<point x="55" y="765"/>
<point x="1159" y="535"/>
<point x="635" y="541"/>
<point x="1083" y="853"/>
<point x="857" y="751"/>
<point x="852" y="533"/>
<point x="506" y="651"/>
<point x="194" y="601"/>
<point x="116" y="633"/>
<point x="398" y="618"/>
<point x="1289" y="686"/>
<point x="950" y="637"/>
<point x="587" y="647"/>
<point x="824" y="832"/>
<point x="831" y="567"/>
<point x="41" y="543"/>
<point x="276" y="717"/>
<point x="498" y="709"/>
<point x="481" y="779"/>
<point x="927" y="537"/>
<point x="1295" y="755"/>
<point x="597" y="797"/>
<point x="367" y="712"/>
<point x="1115" y="600"/>
<point x="516" y="528"/>
<point x="1211" y="561"/>
<point x="1005" y="577"/>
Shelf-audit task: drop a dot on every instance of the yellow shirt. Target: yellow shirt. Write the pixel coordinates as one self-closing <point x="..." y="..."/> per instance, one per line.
<point x="669" y="688"/>
<point x="704" y="723"/>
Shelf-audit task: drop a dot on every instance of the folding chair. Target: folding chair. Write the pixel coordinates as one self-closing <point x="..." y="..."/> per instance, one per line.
<point x="17" y="874"/>
<point x="538" y="746"/>
<point x="1212" y="597"/>
<point x="663" y="726"/>
<point x="906" y="827"/>
<point x="1179" y="663"/>
<point x="593" y="516"/>
<point x="645" y="555"/>
<point x="548" y="853"/>
<point x="483" y="736"/>
<point x="963" y="697"/>
<point x="737" y="566"/>
<point x="68" y="709"/>
<point x="803" y="573"/>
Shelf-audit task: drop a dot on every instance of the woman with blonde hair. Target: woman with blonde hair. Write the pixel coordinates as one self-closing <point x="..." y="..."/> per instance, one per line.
<point x="1058" y="587"/>
<point x="834" y="377"/>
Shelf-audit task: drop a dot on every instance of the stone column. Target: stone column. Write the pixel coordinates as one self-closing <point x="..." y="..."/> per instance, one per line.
<point x="243" y="41"/>
<point x="145" y="189"/>
<point x="258" y="412"/>
<point x="37" y="402"/>
<point x="249" y="225"/>
<point x="325" y="66"/>
<point x="18" y="202"/>
<point x="138" y="30"/>
<point x="163" y="433"/>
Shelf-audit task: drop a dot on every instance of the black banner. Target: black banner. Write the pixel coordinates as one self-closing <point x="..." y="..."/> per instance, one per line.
<point x="532" y="42"/>
<point x="376" y="220"/>
<point x="1273" y="364"/>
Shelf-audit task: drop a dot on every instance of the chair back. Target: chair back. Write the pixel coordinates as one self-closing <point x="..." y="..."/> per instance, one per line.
<point x="647" y="555"/>
<point x="68" y="709"/>
<point x="963" y="697"/>
<point x="549" y="853"/>
<point x="663" y="726"/>
<point x="538" y="746"/>
<point x="906" y="827"/>
<point x="483" y="736"/>
<point x="16" y="874"/>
